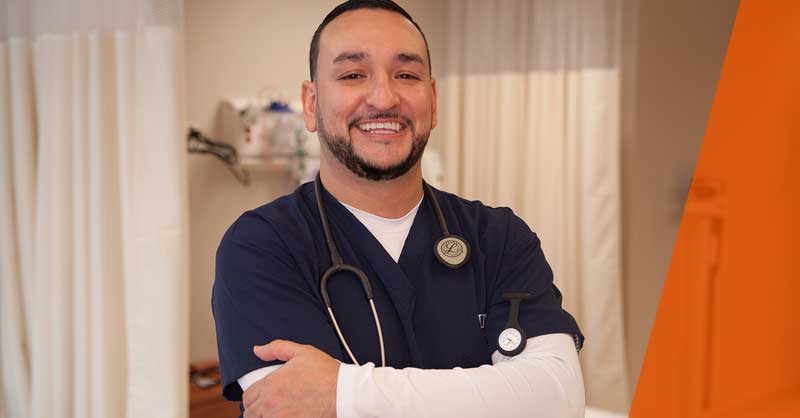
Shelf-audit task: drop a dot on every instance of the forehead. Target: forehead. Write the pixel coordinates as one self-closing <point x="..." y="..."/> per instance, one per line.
<point x="369" y="30"/>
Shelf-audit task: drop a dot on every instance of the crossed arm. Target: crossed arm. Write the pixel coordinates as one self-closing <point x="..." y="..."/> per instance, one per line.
<point x="542" y="381"/>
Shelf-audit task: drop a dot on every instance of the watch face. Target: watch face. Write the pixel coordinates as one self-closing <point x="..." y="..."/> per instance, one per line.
<point x="509" y="339"/>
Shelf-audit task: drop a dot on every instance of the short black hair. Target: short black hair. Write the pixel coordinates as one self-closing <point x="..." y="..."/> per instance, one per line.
<point x="350" y="5"/>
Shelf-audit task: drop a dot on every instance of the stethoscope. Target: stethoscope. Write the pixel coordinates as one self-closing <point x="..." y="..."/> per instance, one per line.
<point x="451" y="250"/>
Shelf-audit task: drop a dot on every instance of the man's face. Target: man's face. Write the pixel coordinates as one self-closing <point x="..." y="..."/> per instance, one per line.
<point x="373" y="102"/>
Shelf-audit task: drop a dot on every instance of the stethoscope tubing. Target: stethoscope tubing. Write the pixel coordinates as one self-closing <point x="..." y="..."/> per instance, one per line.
<point x="338" y="265"/>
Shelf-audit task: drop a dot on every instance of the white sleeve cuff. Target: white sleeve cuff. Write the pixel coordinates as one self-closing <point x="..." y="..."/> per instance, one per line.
<point x="247" y="380"/>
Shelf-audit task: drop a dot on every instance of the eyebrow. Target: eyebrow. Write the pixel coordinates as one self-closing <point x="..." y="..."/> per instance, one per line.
<point x="362" y="56"/>
<point x="410" y="57"/>
<point x="350" y="56"/>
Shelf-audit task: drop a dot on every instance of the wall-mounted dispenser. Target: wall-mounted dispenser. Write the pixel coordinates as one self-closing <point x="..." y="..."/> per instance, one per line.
<point x="268" y="137"/>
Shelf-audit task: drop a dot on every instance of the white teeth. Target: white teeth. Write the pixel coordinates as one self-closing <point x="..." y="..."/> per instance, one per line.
<point x="373" y="126"/>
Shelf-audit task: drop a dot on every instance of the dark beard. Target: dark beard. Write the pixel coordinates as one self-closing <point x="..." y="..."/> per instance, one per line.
<point x="342" y="149"/>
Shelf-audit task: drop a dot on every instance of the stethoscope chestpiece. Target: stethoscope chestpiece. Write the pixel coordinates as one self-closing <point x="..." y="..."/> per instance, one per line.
<point x="452" y="251"/>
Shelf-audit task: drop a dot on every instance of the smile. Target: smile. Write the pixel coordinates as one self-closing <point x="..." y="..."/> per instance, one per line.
<point x="380" y="127"/>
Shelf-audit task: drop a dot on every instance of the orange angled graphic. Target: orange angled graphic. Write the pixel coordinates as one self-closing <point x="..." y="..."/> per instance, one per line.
<point x="725" y="339"/>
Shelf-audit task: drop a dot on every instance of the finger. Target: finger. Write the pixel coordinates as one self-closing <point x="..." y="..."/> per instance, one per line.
<point x="277" y="350"/>
<point x="251" y="395"/>
<point x="251" y="413"/>
<point x="248" y="413"/>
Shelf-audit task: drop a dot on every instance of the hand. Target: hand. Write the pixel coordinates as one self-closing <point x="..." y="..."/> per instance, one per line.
<point x="303" y="387"/>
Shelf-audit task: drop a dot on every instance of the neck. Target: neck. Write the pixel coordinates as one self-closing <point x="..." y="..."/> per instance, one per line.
<point x="388" y="199"/>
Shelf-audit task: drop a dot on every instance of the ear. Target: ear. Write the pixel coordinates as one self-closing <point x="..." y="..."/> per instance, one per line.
<point x="434" y="118"/>
<point x="309" y="95"/>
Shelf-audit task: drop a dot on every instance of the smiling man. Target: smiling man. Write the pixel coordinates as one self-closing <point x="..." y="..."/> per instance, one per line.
<point x="368" y="293"/>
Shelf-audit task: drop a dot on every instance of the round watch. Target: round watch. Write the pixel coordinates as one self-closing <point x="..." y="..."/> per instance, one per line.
<point x="511" y="341"/>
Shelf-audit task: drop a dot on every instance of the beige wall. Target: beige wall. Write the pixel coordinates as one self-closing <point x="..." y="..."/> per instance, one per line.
<point x="234" y="48"/>
<point x="669" y="84"/>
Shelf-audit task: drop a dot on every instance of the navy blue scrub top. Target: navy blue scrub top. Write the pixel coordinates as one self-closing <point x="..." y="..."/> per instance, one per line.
<point x="271" y="259"/>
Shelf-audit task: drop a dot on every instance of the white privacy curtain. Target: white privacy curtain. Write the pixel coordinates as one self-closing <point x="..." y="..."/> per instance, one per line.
<point x="530" y="118"/>
<point x="93" y="210"/>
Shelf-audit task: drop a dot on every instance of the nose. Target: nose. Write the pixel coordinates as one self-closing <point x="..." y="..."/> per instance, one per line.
<point x="383" y="95"/>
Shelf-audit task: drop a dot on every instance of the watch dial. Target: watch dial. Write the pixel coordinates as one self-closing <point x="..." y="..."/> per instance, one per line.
<point x="509" y="339"/>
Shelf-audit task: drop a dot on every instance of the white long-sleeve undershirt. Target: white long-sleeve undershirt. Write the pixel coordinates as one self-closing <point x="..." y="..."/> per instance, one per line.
<point x="543" y="381"/>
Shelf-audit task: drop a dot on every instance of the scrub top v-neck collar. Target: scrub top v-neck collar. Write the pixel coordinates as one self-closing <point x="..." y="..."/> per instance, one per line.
<point x="392" y="233"/>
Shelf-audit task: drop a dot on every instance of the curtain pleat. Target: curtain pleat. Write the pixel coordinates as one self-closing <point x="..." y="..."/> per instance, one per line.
<point x="530" y="119"/>
<point x="14" y="222"/>
<point x="93" y="213"/>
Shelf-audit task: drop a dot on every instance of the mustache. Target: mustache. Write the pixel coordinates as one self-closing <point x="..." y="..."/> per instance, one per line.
<point x="358" y="119"/>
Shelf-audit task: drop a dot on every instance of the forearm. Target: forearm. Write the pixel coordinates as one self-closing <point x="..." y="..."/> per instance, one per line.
<point x="543" y="381"/>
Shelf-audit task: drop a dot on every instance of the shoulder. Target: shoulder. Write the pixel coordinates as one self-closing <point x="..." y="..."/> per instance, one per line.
<point x="494" y="233"/>
<point x="272" y="223"/>
<point x="479" y="217"/>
